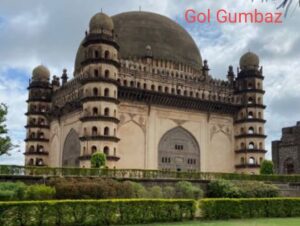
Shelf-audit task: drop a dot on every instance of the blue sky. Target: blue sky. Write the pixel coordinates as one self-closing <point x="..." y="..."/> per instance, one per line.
<point x="49" y="32"/>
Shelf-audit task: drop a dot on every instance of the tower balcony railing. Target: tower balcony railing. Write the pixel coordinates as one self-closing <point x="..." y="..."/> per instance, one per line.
<point x="36" y="152"/>
<point x="108" y="157"/>
<point x="247" y="165"/>
<point x="251" y="150"/>
<point x="252" y="120"/>
<point x="251" y="135"/>
<point x="98" y="137"/>
<point x="86" y="117"/>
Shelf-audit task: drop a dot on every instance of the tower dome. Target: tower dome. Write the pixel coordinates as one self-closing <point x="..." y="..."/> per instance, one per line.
<point x="249" y="61"/>
<point x="101" y="21"/>
<point x="40" y="73"/>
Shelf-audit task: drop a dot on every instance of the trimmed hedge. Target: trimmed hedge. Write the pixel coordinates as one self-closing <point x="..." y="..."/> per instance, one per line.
<point x="250" y="208"/>
<point x="11" y="170"/>
<point x="94" y="212"/>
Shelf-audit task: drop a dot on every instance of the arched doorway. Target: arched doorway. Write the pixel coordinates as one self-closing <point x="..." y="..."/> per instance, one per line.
<point x="289" y="166"/>
<point x="178" y="151"/>
<point x="71" y="152"/>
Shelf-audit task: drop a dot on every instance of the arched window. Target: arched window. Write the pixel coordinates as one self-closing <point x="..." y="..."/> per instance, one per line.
<point x="178" y="91"/>
<point x="250" y="115"/>
<point x="106" y="131"/>
<point x="251" y="130"/>
<point x="106" y="150"/>
<point x="250" y="85"/>
<point x="96" y="73"/>
<point x="42" y="122"/>
<point x="197" y="95"/>
<point x="115" y="132"/>
<point x="259" y="100"/>
<point x="32" y="135"/>
<point x="242" y="145"/>
<point x="106" y="111"/>
<point x="96" y="54"/>
<point x="94" y="131"/>
<point x="185" y="93"/>
<point x="85" y="132"/>
<point x="260" y="130"/>
<point x="94" y="149"/>
<point x="153" y="87"/>
<point x="260" y="145"/>
<point x="159" y="88"/>
<point x="251" y="146"/>
<point x="84" y="151"/>
<point x="115" y="113"/>
<point x="40" y="162"/>
<point x="258" y="85"/>
<point x="40" y="148"/>
<point x="106" y="54"/>
<point x="242" y="160"/>
<point x="106" y="73"/>
<point x="166" y="89"/>
<point x="95" y="92"/>
<point x="125" y="82"/>
<point x="31" y="162"/>
<point x="95" y="111"/>
<point x="250" y="100"/>
<point x="242" y="130"/>
<point x="191" y="93"/>
<point x="132" y="84"/>
<point x="259" y="115"/>
<point x="41" y="135"/>
<point x="31" y="149"/>
<point x="173" y="91"/>
<point x="145" y="86"/>
<point x="261" y="160"/>
<point x="106" y="92"/>
<point x="138" y="85"/>
<point x="251" y="161"/>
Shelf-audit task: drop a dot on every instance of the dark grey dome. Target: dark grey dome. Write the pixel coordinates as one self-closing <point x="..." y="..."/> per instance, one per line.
<point x="138" y="30"/>
<point x="168" y="40"/>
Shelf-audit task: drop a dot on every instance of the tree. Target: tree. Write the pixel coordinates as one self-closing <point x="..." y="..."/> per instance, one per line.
<point x="267" y="167"/>
<point x="5" y="141"/>
<point x="98" y="160"/>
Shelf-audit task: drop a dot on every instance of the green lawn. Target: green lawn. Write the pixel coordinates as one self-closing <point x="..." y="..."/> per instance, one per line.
<point x="248" y="222"/>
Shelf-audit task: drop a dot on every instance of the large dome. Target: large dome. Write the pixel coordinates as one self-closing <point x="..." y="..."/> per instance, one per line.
<point x="167" y="39"/>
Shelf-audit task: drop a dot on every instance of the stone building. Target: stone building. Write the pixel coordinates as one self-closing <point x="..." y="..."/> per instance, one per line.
<point x="142" y="95"/>
<point x="286" y="151"/>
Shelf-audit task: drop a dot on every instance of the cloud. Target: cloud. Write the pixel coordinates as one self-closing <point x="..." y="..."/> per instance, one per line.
<point x="49" y="32"/>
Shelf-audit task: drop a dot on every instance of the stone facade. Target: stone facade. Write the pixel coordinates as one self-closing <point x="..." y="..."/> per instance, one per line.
<point x="286" y="152"/>
<point x="155" y="107"/>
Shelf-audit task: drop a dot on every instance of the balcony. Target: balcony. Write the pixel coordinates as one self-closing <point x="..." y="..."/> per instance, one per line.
<point x="36" y="153"/>
<point x="247" y="165"/>
<point x="99" y="138"/>
<point x="90" y="117"/>
<point x="251" y="151"/>
<point x="108" y="157"/>
<point x="249" y="135"/>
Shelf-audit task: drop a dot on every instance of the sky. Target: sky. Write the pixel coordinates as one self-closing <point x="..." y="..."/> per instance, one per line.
<point x="35" y="32"/>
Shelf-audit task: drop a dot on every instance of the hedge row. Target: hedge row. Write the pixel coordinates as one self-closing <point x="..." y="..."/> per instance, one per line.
<point x="138" y="174"/>
<point x="250" y="208"/>
<point x="94" y="212"/>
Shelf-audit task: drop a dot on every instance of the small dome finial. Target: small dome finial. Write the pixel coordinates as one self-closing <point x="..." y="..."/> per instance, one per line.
<point x="249" y="61"/>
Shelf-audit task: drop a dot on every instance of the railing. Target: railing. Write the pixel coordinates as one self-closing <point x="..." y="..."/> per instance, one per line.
<point x="11" y="170"/>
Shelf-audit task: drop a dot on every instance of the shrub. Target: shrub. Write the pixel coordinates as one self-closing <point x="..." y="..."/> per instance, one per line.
<point x="12" y="191"/>
<point x="155" y="192"/>
<point x="267" y="167"/>
<point x="184" y="189"/>
<point x="241" y="189"/>
<point x="95" y="212"/>
<point x="222" y="189"/>
<point x="256" y="189"/>
<point x="139" y="191"/>
<point x="250" y="208"/>
<point x="168" y="192"/>
<point x="39" y="192"/>
<point x="98" y="160"/>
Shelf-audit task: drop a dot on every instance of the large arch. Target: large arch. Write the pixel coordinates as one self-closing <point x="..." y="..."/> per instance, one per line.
<point x="71" y="151"/>
<point x="178" y="150"/>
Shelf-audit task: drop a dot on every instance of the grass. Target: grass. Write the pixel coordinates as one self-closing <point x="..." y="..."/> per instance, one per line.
<point x="244" y="222"/>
